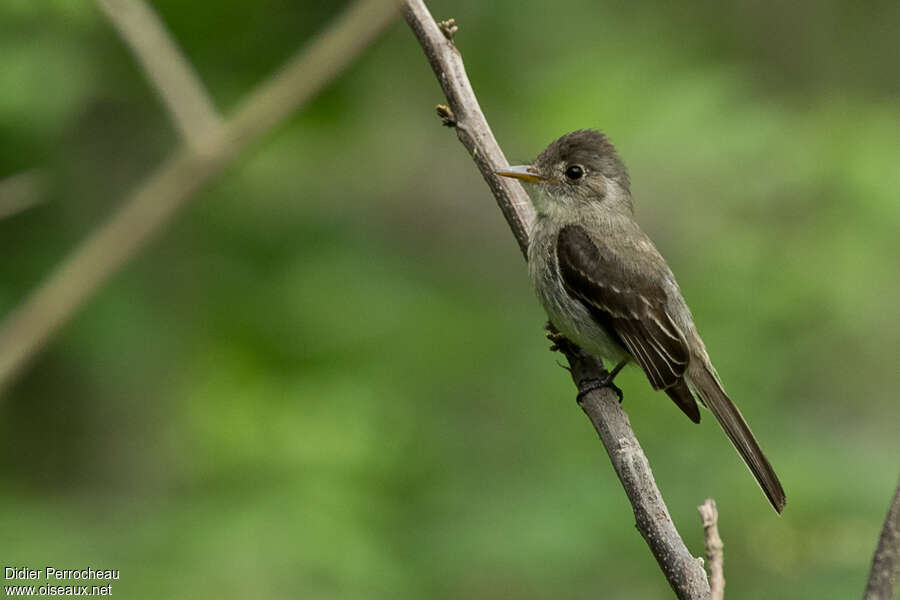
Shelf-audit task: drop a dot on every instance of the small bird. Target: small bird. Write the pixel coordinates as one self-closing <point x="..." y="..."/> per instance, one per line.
<point x="607" y="288"/>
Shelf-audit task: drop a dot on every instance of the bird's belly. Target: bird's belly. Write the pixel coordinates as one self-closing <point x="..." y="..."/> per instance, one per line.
<point x="574" y="321"/>
<point x="568" y="314"/>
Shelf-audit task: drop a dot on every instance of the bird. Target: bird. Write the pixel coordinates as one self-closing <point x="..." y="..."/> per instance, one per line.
<point x="606" y="287"/>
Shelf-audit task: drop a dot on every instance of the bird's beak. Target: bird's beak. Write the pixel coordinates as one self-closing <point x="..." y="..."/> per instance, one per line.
<point x="523" y="172"/>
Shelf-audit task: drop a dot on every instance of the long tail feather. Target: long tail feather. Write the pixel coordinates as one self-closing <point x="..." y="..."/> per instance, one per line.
<point x="710" y="391"/>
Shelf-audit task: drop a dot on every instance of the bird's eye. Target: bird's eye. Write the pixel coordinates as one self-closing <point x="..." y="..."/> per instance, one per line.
<point x="575" y="172"/>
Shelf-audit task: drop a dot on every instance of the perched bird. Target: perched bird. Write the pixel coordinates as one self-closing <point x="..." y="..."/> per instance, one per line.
<point x="606" y="287"/>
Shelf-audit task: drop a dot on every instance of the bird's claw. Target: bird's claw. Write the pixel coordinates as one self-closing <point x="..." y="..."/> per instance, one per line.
<point x="587" y="386"/>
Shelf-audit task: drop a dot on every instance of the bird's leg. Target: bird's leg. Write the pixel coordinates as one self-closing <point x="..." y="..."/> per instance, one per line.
<point x="586" y="386"/>
<point x="616" y="369"/>
<point x="563" y="344"/>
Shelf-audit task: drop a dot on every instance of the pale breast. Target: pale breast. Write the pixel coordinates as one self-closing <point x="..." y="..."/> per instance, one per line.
<point x="568" y="314"/>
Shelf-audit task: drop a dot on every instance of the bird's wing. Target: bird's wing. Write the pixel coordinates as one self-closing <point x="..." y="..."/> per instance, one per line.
<point x="631" y="303"/>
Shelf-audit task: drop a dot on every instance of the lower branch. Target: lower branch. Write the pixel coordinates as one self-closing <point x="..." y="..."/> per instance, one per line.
<point x="683" y="571"/>
<point x="714" y="549"/>
<point x="886" y="562"/>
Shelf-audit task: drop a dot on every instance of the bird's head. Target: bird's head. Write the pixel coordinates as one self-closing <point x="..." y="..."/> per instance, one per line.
<point x="580" y="168"/>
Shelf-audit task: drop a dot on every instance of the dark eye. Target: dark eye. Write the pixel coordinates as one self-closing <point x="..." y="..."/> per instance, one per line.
<point x="575" y="172"/>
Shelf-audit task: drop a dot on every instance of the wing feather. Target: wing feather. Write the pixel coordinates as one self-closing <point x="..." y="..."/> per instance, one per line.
<point x="632" y="303"/>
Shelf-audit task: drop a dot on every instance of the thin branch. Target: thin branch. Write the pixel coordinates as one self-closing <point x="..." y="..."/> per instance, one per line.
<point x="465" y="115"/>
<point x="152" y="203"/>
<point x="20" y="192"/>
<point x="684" y="572"/>
<point x="882" y="582"/>
<point x="166" y="67"/>
<point x="709" y="516"/>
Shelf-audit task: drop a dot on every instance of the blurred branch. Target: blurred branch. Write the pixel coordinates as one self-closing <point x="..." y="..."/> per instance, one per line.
<point x="709" y="516"/>
<point x="150" y="205"/>
<point x="20" y="192"/>
<point x="166" y="67"/>
<point x="684" y="572"/>
<point x="882" y="582"/>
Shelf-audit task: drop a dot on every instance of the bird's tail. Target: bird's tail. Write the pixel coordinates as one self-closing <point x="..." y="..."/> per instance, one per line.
<point x="706" y="385"/>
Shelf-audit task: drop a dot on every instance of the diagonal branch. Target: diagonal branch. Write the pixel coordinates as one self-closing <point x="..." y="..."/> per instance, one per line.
<point x="684" y="572"/>
<point x="153" y="201"/>
<point x="166" y="67"/>
<point x="882" y="582"/>
<point x="21" y="192"/>
<point x="466" y="117"/>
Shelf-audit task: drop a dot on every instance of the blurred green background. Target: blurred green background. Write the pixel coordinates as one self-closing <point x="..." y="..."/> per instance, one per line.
<point x="328" y="378"/>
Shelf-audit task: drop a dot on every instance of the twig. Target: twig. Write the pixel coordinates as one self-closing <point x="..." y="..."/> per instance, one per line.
<point x="20" y="192"/>
<point x="709" y="516"/>
<point x="166" y="67"/>
<point x="465" y="114"/>
<point x="149" y="206"/>
<point x="684" y="572"/>
<point x="882" y="582"/>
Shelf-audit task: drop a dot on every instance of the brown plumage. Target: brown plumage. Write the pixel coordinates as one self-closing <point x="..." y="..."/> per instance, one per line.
<point x="606" y="287"/>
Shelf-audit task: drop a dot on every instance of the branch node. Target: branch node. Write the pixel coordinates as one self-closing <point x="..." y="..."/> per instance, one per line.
<point x="154" y="201"/>
<point x="559" y="342"/>
<point x="447" y="118"/>
<point x="448" y="28"/>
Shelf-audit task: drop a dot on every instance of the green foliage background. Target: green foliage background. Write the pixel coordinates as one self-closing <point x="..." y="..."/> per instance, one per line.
<point x="328" y="378"/>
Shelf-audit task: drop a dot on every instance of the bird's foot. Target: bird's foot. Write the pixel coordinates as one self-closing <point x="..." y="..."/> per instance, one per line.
<point x="586" y="386"/>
